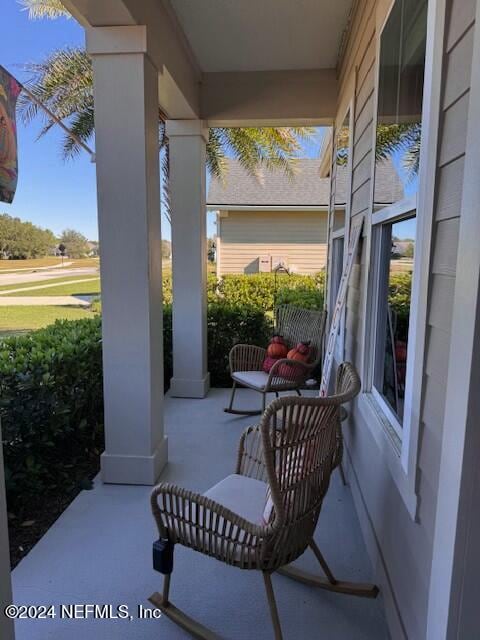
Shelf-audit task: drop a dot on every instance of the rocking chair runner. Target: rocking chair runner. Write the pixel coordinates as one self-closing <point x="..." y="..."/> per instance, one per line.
<point x="264" y="516"/>
<point x="295" y="325"/>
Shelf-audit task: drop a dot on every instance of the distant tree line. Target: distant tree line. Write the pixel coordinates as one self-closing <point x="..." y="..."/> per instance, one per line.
<point x="22" y="240"/>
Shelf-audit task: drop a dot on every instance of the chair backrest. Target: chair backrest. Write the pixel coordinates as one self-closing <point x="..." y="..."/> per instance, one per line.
<point x="301" y="325"/>
<point x="300" y="446"/>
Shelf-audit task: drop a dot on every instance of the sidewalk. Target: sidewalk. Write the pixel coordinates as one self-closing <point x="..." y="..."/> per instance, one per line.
<point x="42" y="301"/>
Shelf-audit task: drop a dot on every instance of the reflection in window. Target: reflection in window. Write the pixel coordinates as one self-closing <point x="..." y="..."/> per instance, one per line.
<point x="397" y="248"/>
<point x="400" y="93"/>
<point x="342" y="150"/>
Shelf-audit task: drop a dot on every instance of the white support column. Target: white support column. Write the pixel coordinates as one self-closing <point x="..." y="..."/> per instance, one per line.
<point x="128" y="186"/>
<point x="6" y="625"/>
<point x="187" y="140"/>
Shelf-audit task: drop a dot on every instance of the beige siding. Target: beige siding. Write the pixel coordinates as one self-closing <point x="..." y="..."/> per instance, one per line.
<point x="405" y="546"/>
<point x="299" y="237"/>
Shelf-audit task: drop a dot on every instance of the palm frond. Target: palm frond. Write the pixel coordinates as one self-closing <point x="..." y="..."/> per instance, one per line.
<point x="63" y="82"/>
<point x="38" y="9"/>
<point x="256" y="148"/>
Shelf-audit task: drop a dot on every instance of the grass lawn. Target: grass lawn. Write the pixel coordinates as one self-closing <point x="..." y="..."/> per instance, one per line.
<point x="19" y="319"/>
<point x="91" y="286"/>
<point x="7" y="266"/>
<point x="10" y="265"/>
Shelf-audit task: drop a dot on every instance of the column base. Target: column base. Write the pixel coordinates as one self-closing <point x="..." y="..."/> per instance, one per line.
<point x="145" y="470"/>
<point x="189" y="388"/>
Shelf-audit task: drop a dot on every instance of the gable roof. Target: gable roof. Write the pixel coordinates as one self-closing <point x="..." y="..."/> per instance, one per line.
<point x="304" y="189"/>
<point x="273" y="187"/>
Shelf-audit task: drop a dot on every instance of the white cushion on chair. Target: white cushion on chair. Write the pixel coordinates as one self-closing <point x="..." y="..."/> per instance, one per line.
<point x="257" y="379"/>
<point x="244" y="496"/>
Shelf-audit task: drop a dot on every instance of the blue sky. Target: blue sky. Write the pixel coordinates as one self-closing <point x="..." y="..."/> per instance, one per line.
<point x="52" y="192"/>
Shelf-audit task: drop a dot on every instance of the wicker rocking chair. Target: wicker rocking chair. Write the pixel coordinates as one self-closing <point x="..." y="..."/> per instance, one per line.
<point x="264" y="516"/>
<point x="295" y="325"/>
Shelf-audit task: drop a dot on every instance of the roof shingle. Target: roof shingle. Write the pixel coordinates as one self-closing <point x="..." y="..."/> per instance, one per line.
<point x="304" y="189"/>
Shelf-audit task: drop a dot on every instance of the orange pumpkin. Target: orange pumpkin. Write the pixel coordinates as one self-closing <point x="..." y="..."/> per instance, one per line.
<point x="301" y="352"/>
<point x="277" y="348"/>
<point x="268" y="363"/>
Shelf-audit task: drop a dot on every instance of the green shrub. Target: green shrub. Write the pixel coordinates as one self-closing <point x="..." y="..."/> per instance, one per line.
<point x="400" y="292"/>
<point x="259" y="289"/>
<point x="167" y="288"/>
<point x="51" y="404"/>
<point x="301" y="297"/>
<point x="228" y="325"/>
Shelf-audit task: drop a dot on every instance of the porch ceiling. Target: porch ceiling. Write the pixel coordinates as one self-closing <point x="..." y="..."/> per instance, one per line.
<point x="248" y="63"/>
<point x="227" y="35"/>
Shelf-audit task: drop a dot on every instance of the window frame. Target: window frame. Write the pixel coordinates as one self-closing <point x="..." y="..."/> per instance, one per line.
<point x="401" y="455"/>
<point x="400" y="210"/>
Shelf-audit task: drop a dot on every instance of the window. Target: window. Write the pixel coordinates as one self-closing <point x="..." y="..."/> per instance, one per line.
<point x="398" y="139"/>
<point x="396" y="247"/>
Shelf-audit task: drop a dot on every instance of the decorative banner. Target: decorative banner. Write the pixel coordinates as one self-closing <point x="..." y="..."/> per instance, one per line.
<point x="9" y="90"/>
<point x="355" y="234"/>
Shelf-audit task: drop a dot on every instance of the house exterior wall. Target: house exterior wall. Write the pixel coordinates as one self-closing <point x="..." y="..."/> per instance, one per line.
<point x="401" y="548"/>
<point x="299" y="237"/>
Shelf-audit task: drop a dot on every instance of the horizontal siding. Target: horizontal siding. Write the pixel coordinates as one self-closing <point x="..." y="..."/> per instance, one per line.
<point x="462" y="16"/>
<point x="299" y="237"/>
<point x="454" y="131"/>
<point x="450" y="187"/>
<point x="459" y="69"/>
<point x="445" y="247"/>
<point x="441" y="302"/>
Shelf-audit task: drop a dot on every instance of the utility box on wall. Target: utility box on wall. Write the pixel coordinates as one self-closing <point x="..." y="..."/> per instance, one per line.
<point x="264" y="264"/>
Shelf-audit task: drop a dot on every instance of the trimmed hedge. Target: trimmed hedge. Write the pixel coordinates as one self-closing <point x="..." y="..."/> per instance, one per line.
<point x="51" y="404"/>
<point x="226" y="325"/>
<point x="167" y="288"/>
<point x="259" y="289"/>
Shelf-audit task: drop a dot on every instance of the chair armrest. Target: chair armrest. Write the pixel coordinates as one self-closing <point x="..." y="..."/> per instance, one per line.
<point x="195" y="521"/>
<point x="250" y="461"/>
<point x="246" y="357"/>
<point x="295" y="372"/>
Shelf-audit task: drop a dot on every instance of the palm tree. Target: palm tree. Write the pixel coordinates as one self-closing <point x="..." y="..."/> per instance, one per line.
<point x="64" y="83"/>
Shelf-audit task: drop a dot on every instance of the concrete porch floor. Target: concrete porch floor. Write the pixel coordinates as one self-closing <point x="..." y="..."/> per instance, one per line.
<point x="99" y="551"/>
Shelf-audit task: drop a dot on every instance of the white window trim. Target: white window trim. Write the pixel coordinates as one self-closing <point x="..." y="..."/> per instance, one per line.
<point x="401" y="455"/>
<point x="344" y="231"/>
<point x="387" y="215"/>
